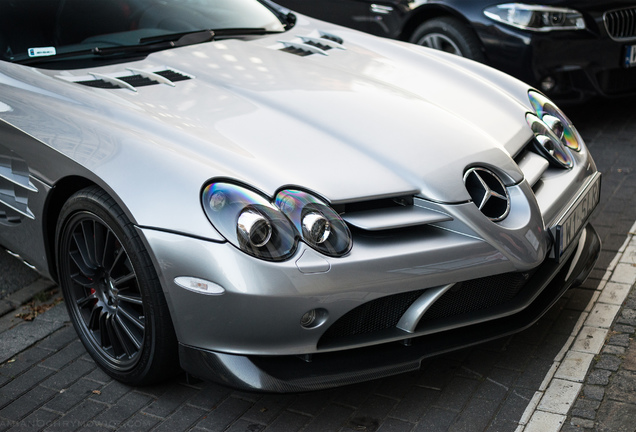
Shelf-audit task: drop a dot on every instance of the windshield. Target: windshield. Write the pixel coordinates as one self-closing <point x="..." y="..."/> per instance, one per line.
<point x="32" y="30"/>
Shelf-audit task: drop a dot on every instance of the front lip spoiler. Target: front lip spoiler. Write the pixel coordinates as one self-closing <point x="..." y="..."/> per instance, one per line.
<point x="282" y="374"/>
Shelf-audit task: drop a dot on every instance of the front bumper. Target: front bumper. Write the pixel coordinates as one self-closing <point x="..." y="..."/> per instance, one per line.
<point x="291" y="373"/>
<point x="581" y="63"/>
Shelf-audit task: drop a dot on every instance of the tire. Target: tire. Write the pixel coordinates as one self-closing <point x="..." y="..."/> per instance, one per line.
<point x="112" y="292"/>
<point x="449" y="35"/>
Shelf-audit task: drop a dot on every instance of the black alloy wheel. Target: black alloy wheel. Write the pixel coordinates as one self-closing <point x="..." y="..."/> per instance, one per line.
<point x="111" y="290"/>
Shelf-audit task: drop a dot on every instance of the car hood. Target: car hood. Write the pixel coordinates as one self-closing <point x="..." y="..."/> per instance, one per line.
<point x="375" y="119"/>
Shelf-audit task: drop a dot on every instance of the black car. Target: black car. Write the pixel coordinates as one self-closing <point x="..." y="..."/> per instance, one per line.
<point x="570" y="49"/>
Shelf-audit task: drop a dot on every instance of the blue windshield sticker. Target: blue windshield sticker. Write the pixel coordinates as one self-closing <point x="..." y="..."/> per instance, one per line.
<point x="41" y="52"/>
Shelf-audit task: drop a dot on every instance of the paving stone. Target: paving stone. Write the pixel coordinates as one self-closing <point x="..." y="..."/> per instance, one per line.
<point x="331" y="418"/>
<point x="22" y="384"/>
<point x="559" y="396"/>
<point x="268" y="408"/>
<point x="581" y="423"/>
<point x="140" y="422"/>
<point x="37" y="420"/>
<point x="585" y="409"/>
<point x="80" y="416"/>
<point x="574" y="366"/>
<point x="59" y="339"/>
<point x="245" y="426"/>
<point x="614" y="293"/>
<point x="225" y="414"/>
<point x="125" y="407"/>
<point x="67" y="376"/>
<point x="76" y="393"/>
<point x="619" y="340"/>
<point x="65" y="356"/>
<point x="169" y="401"/>
<point x="476" y="416"/>
<point x="590" y="340"/>
<point x="24" y="335"/>
<point x="629" y="362"/>
<point x="623" y="387"/>
<point x="436" y="419"/>
<point x="497" y="385"/>
<point x="608" y="362"/>
<point x="615" y="416"/>
<point x="312" y="403"/>
<point x="415" y="403"/>
<point x="28" y="402"/>
<point x="182" y="419"/>
<point x="599" y="377"/>
<point x="593" y="392"/>
<point x="23" y="361"/>
<point x="543" y="421"/>
<point x="355" y="395"/>
<point x="111" y="393"/>
<point x="288" y="422"/>
<point x="514" y="405"/>
<point x="457" y="393"/>
<point x="393" y="425"/>
<point x="364" y="423"/>
<point x="602" y="315"/>
<point x="209" y="396"/>
<point x="613" y="350"/>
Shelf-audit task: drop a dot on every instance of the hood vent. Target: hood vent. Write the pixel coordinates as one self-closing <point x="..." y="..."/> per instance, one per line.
<point x="309" y="45"/>
<point x="132" y="80"/>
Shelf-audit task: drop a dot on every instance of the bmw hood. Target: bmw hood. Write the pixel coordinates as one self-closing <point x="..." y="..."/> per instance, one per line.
<point x="361" y="119"/>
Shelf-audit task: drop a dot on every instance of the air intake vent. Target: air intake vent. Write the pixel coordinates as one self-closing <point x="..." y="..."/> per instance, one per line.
<point x="133" y="79"/>
<point x="309" y="45"/>
<point x="621" y="24"/>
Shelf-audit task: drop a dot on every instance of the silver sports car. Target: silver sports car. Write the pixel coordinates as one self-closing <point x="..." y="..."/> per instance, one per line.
<point x="274" y="202"/>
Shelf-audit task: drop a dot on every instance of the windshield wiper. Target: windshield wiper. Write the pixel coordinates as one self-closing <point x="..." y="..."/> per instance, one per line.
<point x="159" y="43"/>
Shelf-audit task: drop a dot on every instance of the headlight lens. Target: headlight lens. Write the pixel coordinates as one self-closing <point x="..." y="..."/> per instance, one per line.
<point x="320" y="226"/>
<point x="556" y="120"/>
<point x="249" y="221"/>
<point x="536" y="17"/>
<point x="549" y="143"/>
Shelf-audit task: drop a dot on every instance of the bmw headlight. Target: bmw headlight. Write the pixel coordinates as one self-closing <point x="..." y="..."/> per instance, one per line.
<point x="556" y="120"/>
<point x="249" y="221"/>
<point x="318" y="224"/>
<point x="536" y="17"/>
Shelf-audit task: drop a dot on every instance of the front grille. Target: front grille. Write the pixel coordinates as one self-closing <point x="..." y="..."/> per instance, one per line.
<point x="617" y="81"/>
<point x="378" y="314"/>
<point x="476" y="295"/>
<point x="621" y="24"/>
<point x="464" y="298"/>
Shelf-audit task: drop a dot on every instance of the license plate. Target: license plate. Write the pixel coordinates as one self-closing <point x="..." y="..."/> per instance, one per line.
<point x="630" y="56"/>
<point x="574" y="219"/>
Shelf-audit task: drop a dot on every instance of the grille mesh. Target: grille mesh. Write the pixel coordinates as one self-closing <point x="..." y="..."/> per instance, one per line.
<point x="621" y="24"/>
<point x="466" y="297"/>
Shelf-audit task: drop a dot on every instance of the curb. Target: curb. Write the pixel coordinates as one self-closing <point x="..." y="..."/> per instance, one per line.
<point x="550" y="405"/>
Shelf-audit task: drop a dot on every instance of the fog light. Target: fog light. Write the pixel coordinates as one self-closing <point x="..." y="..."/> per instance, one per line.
<point x="308" y="319"/>
<point x="254" y="228"/>
<point x="314" y="318"/>
<point x="548" y="84"/>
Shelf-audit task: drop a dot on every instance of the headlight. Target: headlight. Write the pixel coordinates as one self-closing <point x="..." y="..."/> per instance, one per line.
<point x="249" y="221"/>
<point x="556" y="120"/>
<point x="319" y="225"/>
<point x="535" y="17"/>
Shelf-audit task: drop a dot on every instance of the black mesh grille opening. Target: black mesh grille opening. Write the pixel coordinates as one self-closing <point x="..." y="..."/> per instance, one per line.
<point x="463" y="298"/>
<point x="378" y="314"/>
<point x="476" y="295"/>
<point x="617" y="81"/>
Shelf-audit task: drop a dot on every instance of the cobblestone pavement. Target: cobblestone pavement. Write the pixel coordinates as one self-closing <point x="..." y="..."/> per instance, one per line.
<point x="48" y="382"/>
